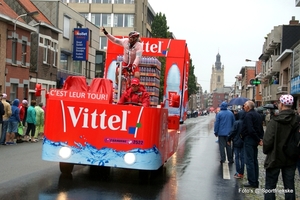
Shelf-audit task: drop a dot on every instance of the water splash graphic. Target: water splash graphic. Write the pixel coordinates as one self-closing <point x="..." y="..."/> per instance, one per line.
<point x="147" y="159"/>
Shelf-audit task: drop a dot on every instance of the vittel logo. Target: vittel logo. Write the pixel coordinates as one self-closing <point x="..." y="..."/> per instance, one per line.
<point x="95" y="119"/>
<point x="153" y="48"/>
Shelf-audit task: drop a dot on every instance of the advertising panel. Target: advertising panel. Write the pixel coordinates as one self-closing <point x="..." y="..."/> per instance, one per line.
<point x="176" y="54"/>
<point x="81" y="44"/>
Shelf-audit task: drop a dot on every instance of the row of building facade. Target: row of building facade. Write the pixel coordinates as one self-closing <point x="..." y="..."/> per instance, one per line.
<point x="38" y="40"/>
<point x="276" y="71"/>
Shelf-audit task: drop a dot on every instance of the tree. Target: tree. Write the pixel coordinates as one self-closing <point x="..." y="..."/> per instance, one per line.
<point x="192" y="83"/>
<point x="160" y="29"/>
<point x="159" y="26"/>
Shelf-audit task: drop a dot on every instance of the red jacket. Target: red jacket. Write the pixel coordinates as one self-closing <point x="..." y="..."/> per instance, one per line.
<point x="141" y="96"/>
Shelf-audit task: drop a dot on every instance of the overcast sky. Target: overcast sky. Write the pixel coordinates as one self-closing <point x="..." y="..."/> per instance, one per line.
<point x="234" y="28"/>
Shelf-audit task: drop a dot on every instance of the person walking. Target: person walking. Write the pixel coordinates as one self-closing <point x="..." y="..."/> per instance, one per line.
<point x="13" y="123"/>
<point x="31" y="122"/>
<point x="238" y="144"/>
<point x="223" y="124"/>
<point x="273" y="141"/>
<point x="252" y="134"/>
<point x="6" y="115"/>
<point x="40" y="119"/>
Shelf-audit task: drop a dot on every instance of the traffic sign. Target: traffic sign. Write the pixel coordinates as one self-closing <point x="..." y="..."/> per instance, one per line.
<point x="255" y="82"/>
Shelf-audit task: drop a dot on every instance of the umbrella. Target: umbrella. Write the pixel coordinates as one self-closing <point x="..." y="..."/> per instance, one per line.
<point x="211" y="108"/>
<point x="261" y="108"/>
<point x="270" y="106"/>
<point x="238" y="101"/>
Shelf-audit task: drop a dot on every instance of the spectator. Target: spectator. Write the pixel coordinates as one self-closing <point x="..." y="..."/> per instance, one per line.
<point x="135" y="94"/>
<point x="1" y="115"/>
<point x="7" y="114"/>
<point x="23" y="108"/>
<point x="252" y="133"/>
<point x="276" y="160"/>
<point x="223" y="124"/>
<point x="238" y="144"/>
<point x="31" y="122"/>
<point x="13" y="122"/>
<point x="267" y="118"/>
<point x="40" y="117"/>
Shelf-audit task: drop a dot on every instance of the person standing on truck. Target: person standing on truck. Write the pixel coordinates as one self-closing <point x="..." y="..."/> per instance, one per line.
<point x="135" y="94"/>
<point x="133" y="50"/>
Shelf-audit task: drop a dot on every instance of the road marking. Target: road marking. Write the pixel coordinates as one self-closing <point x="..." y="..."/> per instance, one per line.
<point x="226" y="174"/>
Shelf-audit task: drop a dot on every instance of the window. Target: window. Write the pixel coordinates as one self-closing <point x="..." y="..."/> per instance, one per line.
<point x="119" y="1"/>
<point x="54" y="48"/>
<point x="25" y="91"/>
<point x="79" y="1"/>
<point x="88" y="70"/>
<point x="96" y="19"/>
<point x="123" y="20"/>
<point x="77" y="66"/>
<point x="14" y="52"/>
<point x="106" y="20"/>
<point x="64" y="61"/>
<point x="66" y="27"/>
<point x="46" y="49"/>
<point x="129" y="1"/>
<point x="13" y="91"/>
<point x="101" y="1"/>
<point x="219" y="78"/>
<point x="129" y="20"/>
<point x="86" y="16"/>
<point x="103" y="42"/>
<point x="118" y="20"/>
<point x="24" y="52"/>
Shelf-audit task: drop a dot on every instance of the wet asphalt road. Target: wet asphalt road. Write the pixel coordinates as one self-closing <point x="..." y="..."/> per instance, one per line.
<point x="193" y="173"/>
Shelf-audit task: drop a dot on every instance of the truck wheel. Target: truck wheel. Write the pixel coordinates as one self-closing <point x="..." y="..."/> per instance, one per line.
<point x="66" y="168"/>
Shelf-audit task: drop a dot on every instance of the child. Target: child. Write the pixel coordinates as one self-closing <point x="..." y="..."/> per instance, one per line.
<point x="235" y="136"/>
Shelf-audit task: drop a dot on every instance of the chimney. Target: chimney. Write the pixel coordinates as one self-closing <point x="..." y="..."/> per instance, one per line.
<point x="293" y="21"/>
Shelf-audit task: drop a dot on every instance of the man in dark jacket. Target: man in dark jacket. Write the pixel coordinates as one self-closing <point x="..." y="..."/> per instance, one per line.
<point x="252" y="132"/>
<point x="276" y="134"/>
<point x="238" y="144"/>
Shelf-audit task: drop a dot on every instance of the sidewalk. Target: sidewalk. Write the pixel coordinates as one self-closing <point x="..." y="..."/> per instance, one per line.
<point x="257" y="194"/>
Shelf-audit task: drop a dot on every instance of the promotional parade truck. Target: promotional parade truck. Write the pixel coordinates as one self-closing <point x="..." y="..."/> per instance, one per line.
<point x="84" y="125"/>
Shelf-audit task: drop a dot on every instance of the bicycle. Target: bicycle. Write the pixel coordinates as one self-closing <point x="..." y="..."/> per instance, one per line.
<point x="127" y="72"/>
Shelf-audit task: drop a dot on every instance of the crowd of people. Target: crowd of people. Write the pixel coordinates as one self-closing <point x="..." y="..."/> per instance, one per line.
<point x="20" y="122"/>
<point x="243" y="132"/>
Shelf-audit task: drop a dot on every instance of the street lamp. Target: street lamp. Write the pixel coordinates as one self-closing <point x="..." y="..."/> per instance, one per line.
<point x="25" y="14"/>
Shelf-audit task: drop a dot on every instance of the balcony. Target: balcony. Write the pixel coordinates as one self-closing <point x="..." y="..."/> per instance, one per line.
<point x="269" y="93"/>
<point x="282" y="90"/>
<point x="272" y="66"/>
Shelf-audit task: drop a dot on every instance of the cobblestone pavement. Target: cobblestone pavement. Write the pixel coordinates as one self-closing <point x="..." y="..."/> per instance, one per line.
<point x="257" y="194"/>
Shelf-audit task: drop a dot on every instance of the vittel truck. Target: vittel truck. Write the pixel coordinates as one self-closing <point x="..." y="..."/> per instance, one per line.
<point x="84" y="126"/>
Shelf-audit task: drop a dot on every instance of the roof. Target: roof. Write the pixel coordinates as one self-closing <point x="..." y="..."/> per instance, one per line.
<point x="6" y="10"/>
<point x="30" y="7"/>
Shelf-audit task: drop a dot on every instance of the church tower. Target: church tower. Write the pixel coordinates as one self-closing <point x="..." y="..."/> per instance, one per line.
<point x="217" y="75"/>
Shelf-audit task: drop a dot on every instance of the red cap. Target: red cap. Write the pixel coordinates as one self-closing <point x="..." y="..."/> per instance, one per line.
<point x="135" y="81"/>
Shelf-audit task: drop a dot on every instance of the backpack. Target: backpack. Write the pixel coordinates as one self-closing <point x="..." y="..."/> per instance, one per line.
<point x="291" y="148"/>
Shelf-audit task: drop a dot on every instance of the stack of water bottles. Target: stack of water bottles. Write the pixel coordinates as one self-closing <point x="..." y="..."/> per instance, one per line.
<point x="149" y="76"/>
